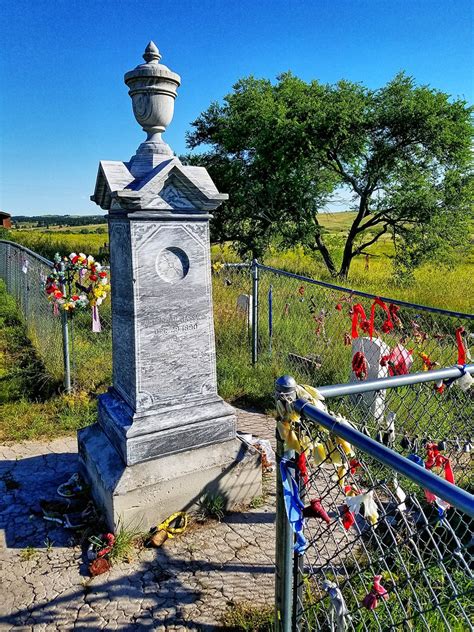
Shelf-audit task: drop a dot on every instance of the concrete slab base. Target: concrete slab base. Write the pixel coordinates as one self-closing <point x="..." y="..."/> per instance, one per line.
<point x="144" y="494"/>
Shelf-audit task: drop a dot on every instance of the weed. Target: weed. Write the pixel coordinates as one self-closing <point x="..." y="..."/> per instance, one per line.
<point x="127" y="542"/>
<point x="257" y="502"/>
<point x="48" y="544"/>
<point x="28" y="554"/>
<point x="246" y="617"/>
<point x="211" y="506"/>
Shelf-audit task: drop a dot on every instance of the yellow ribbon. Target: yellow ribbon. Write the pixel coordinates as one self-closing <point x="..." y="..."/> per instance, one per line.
<point x="172" y="531"/>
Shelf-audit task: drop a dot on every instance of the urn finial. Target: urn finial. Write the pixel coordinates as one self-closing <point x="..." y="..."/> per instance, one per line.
<point x="151" y="53"/>
<point x="152" y="88"/>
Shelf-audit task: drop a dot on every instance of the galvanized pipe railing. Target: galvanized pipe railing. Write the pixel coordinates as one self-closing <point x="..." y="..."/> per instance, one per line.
<point x="367" y="386"/>
<point x="452" y="494"/>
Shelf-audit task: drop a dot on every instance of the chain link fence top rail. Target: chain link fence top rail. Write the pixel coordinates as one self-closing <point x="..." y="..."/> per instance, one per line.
<point x="382" y="552"/>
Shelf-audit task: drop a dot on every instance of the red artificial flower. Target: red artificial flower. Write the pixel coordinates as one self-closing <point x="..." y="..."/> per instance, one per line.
<point x="102" y="274"/>
<point x="339" y="307"/>
<point x="99" y="566"/>
<point x="93" y="277"/>
<point x="58" y="294"/>
<point x="354" y="465"/>
<point x="75" y="297"/>
<point x="75" y="259"/>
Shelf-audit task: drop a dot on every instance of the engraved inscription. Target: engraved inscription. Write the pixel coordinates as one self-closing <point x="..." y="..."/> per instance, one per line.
<point x="172" y="264"/>
<point x="176" y="328"/>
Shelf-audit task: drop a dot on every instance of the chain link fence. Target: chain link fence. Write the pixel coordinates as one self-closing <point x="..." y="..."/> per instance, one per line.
<point x="69" y="349"/>
<point x="267" y="322"/>
<point x="24" y="273"/>
<point x="387" y="545"/>
<point x="304" y="327"/>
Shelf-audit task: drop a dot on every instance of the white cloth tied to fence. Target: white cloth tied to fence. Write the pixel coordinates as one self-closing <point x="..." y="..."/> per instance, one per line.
<point x="354" y="504"/>
<point x="339" y="608"/>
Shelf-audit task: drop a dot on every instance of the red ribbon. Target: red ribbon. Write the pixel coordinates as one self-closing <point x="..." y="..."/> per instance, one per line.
<point x="435" y="459"/>
<point x="387" y="325"/>
<point x="371" y="601"/>
<point x="394" y="309"/>
<point x="302" y="467"/>
<point x="460" y="344"/>
<point x="348" y="518"/>
<point x="316" y="510"/>
<point x="360" y="366"/>
<point x="358" y="317"/>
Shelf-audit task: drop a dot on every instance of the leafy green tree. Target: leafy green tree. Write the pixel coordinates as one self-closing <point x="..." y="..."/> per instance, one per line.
<point x="282" y="150"/>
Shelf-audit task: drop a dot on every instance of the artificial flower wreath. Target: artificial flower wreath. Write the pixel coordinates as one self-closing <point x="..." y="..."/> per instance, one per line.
<point x="77" y="282"/>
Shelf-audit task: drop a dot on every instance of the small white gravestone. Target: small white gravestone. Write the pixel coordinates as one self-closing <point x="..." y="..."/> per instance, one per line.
<point x="244" y="304"/>
<point x="373" y="350"/>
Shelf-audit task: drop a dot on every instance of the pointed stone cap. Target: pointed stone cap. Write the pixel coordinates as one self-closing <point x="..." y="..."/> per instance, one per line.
<point x="152" y="68"/>
<point x="151" y="53"/>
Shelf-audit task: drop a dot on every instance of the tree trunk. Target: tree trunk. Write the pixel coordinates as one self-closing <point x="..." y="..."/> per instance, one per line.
<point x="326" y="255"/>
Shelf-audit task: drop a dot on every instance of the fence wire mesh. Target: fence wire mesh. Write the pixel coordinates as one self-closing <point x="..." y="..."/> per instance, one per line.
<point x="90" y="354"/>
<point x="24" y="274"/>
<point x="304" y="328"/>
<point x="395" y="557"/>
<point x="297" y="327"/>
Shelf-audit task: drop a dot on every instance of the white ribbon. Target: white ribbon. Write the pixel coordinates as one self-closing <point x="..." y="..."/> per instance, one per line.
<point x="338" y="604"/>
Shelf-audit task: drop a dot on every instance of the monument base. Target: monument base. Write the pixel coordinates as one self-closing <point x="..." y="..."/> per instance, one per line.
<point x="143" y="495"/>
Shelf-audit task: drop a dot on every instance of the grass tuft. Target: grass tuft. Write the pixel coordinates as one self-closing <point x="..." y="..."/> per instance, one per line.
<point x="246" y="617"/>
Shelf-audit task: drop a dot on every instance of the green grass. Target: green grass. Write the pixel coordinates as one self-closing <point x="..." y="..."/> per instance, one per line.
<point x="31" y="404"/>
<point x="47" y="242"/>
<point x="294" y="329"/>
<point x="246" y="617"/>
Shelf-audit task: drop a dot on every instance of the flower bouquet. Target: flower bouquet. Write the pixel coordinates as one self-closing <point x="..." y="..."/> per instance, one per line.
<point x="77" y="282"/>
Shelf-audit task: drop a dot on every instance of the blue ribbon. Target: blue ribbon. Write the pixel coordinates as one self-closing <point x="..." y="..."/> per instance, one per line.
<point x="451" y="380"/>
<point x="294" y="506"/>
<point x="416" y="459"/>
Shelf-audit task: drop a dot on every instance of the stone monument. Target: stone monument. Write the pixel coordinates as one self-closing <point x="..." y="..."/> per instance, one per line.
<point x="164" y="437"/>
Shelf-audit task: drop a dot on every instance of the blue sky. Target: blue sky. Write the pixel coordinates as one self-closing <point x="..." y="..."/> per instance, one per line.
<point x="64" y="106"/>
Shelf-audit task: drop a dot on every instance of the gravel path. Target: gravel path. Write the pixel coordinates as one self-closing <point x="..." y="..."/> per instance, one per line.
<point x="185" y="585"/>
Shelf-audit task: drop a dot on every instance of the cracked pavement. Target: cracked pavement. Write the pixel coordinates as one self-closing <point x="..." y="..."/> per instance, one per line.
<point x="185" y="585"/>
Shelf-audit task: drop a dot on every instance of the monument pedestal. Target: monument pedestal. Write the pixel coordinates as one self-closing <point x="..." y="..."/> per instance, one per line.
<point x="143" y="495"/>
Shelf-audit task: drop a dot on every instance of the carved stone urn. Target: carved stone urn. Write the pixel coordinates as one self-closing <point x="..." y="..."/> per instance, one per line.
<point x="153" y="88"/>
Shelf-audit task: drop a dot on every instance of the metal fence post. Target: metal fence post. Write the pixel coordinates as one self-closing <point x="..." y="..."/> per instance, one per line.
<point x="284" y="389"/>
<point x="65" y="338"/>
<point x="283" y="556"/>
<point x="254" y="311"/>
<point x="66" y="355"/>
<point x="270" y="319"/>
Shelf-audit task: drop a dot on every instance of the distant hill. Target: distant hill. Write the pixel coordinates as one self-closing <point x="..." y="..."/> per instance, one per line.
<point x="45" y="221"/>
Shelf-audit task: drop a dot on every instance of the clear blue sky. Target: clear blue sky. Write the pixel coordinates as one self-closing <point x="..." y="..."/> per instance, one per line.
<point x="64" y="106"/>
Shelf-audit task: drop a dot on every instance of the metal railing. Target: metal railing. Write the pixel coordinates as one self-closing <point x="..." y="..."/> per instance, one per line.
<point x="388" y="543"/>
